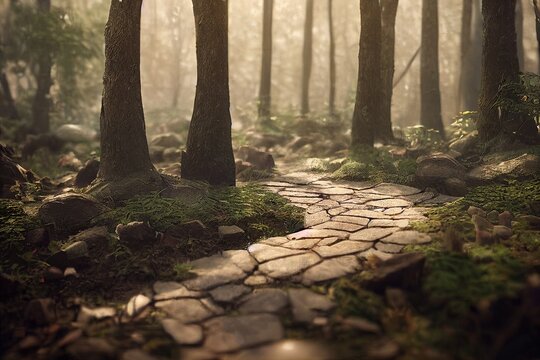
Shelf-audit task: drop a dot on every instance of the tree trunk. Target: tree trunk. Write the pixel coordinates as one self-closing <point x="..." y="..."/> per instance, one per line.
<point x="469" y="88"/>
<point x="177" y="64"/>
<point x="124" y="150"/>
<point x="266" y="66"/>
<point x="10" y="110"/>
<point x="466" y="42"/>
<point x="209" y="156"/>
<point x="383" y="129"/>
<point x="41" y="104"/>
<point x="332" y="60"/>
<point x="368" y="92"/>
<point x="500" y="64"/>
<point x="307" y="56"/>
<point x="537" y="14"/>
<point x="519" y="33"/>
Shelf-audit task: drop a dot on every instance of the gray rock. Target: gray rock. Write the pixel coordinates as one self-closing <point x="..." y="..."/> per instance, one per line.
<point x="137" y="304"/>
<point x="394" y="190"/>
<point x="176" y="293"/>
<point x="166" y="141"/>
<point x="481" y="223"/>
<point x="214" y="271"/>
<point x="289" y="266"/>
<point x="264" y="301"/>
<point x="336" y="225"/>
<point x="316" y="218"/>
<point x="402" y="223"/>
<point x="502" y="232"/>
<point x="407" y="237"/>
<point x="331" y="269"/>
<point x="455" y="187"/>
<point x="317" y="233"/>
<point x="38" y="237"/>
<point x="401" y="271"/>
<point x="372" y="234"/>
<point x="434" y="169"/>
<point x="75" y="133"/>
<point x="523" y="165"/>
<point x="181" y="333"/>
<point x="493" y="217"/>
<point x="96" y="238"/>
<point x="465" y="144"/>
<point x="307" y="304"/>
<point x="473" y="210"/>
<point x="263" y="252"/>
<point x="360" y="324"/>
<point x="505" y="219"/>
<point x="389" y="248"/>
<point x="370" y="214"/>
<point x="231" y="233"/>
<point x="242" y="259"/>
<point x="75" y="254"/>
<point x="229" y="293"/>
<point x="389" y="203"/>
<point x="189" y="310"/>
<point x="259" y="159"/>
<point x="136" y="234"/>
<point x="166" y="286"/>
<point x="227" y="334"/>
<point x="342" y="248"/>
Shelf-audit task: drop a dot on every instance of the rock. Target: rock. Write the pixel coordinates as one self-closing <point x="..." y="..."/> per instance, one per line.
<point x="317" y="233"/>
<point x="137" y="304"/>
<point x="530" y="219"/>
<point x="190" y="310"/>
<point x="316" y="218"/>
<point x="87" y="314"/>
<point x="473" y="210"/>
<point x="214" y="271"/>
<point x="481" y="223"/>
<point x="227" y="334"/>
<point x="69" y="161"/>
<point x="372" y="234"/>
<point x="53" y="274"/>
<point x="96" y="239"/>
<point x="91" y="349"/>
<point x="484" y="238"/>
<point x="166" y="141"/>
<point x="292" y="265"/>
<point x="38" y="237"/>
<point x="87" y="174"/>
<point x="407" y="237"/>
<point x="389" y="248"/>
<point x="264" y="301"/>
<point x="434" y="169"/>
<point x="40" y="312"/>
<point x="502" y="232"/>
<point x="370" y="214"/>
<point x="70" y="212"/>
<point x="259" y="159"/>
<point x="342" y="248"/>
<point x="394" y="190"/>
<point x="351" y="219"/>
<point x="70" y="271"/>
<point x="331" y="269"/>
<point x="493" y="217"/>
<point x="263" y="252"/>
<point x="172" y="154"/>
<point x="505" y="219"/>
<point x="336" y="225"/>
<point x="521" y="166"/>
<point x="156" y="153"/>
<point x="401" y="271"/>
<point x="455" y="187"/>
<point x="175" y="292"/>
<point x="360" y="324"/>
<point x="257" y="280"/>
<point x="304" y="244"/>
<point x="289" y="349"/>
<point x="75" y="254"/>
<point x="465" y="144"/>
<point x="336" y="191"/>
<point x="241" y="165"/>
<point x="402" y="223"/>
<point x="193" y="228"/>
<point x="229" y="293"/>
<point x="75" y="133"/>
<point x="181" y="333"/>
<point x="136" y="234"/>
<point x="231" y="234"/>
<point x="242" y="259"/>
<point x="307" y="304"/>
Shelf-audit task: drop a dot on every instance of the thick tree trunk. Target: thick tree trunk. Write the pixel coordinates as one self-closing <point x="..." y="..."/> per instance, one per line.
<point x="124" y="150"/>
<point x="469" y="88"/>
<point x="5" y="93"/>
<point x="466" y="42"/>
<point x="332" y="61"/>
<point x="519" y="33"/>
<point x="41" y="103"/>
<point x="383" y="129"/>
<point x="430" y="113"/>
<point x="209" y="156"/>
<point x="537" y="14"/>
<point x="368" y="93"/>
<point x="307" y="56"/>
<point x="266" y="66"/>
<point x="500" y="64"/>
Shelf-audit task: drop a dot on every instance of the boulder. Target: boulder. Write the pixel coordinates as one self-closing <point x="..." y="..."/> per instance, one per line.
<point x="465" y="144"/>
<point x="522" y="166"/>
<point x="241" y="165"/>
<point x="400" y="271"/>
<point x="70" y="212"/>
<point x="75" y="133"/>
<point x="87" y="174"/>
<point x="455" y="187"/>
<point x="259" y="159"/>
<point x="75" y="254"/>
<point x="38" y="237"/>
<point x="168" y="140"/>
<point x="172" y="154"/>
<point x="231" y="233"/>
<point x="436" y="168"/>
<point x="136" y="234"/>
<point x="96" y="238"/>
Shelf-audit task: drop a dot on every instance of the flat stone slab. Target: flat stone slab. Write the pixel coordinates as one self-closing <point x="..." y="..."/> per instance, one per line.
<point x="214" y="271"/>
<point x="316" y="218"/>
<point x="227" y="333"/>
<point x="389" y="248"/>
<point x="137" y="304"/>
<point x="275" y="241"/>
<point x="288" y="349"/>
<point x="166" y="286"/>
<point x="393" y="211"/>
<point x="189" y="310"/>
<point x="328" y="241"/>
<point x="374" y="253"/>
<point x="331" y="269"/>
<point x="336" y="191"/>
<point x="289" y="266"/>
<point x="303" y="200"/>
<point x="402" y="223"/>
<point x="242" y="259"/>
<point x="351" y="219"/>
<point x="264" y="301"/>
<point x="263" y="252"/>
<point x="394" y="189"/>
<point x="306" y="304"/>
<point x="342" y="226"/>
<point x="304" y="244"/>
<point x="372" y="234"/>
<point x="336" y="211"/>
<point x="297" y="194"/>
<point x="342" y="248"/>
<point x="257" y="280"/>
<point x="370" y="214"/>
<point x="180" y="292"/>
<point x="229" y="293"/>
<point x="181" y="333"/>
<point x="389" y="203"/>
<point x="317" y="233"/>
<point x="407" y="237"/>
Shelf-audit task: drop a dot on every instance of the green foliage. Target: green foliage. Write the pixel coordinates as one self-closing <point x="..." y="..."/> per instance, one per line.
<point x="464" y="124"/>
<point x="352" y="300"/>
<point x="181" y="271"/>
<point x="521" y="97"/>
<point x="419" y="136"/>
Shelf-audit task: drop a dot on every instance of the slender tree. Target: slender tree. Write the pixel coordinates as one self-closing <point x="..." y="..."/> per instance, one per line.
<point x="41" y="103"/>
<point x="519" y="32"/>
<point x="307" y="56"/>
<point x="209" y="156"/>
<point x="266" y="66"/>
<point x="383" y="129"/>
<point x="466" y="42"/>
<point x="430" y="114"/>
<point x="537" y="15"/>
<point x="367" y="106"/>
<point x="124" y="150"/>
<point x="7" y="103"/>
<point x="471" y="54"/>
<point x="332" y="61"/>
<point x="500" y="64"/>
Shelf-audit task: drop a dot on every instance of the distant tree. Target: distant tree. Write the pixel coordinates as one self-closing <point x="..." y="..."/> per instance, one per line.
<point x="367" y="106"/>
<point x="470" y="55"/>
<point x="537" y="15"/>
<point x="430" y="114"/>
<point x="519" y="32"/>
<point x="124" y="149"/>
<point x="332" y="61"/>
<point x="266" y="66"/>
<point x="307" y="56"/>
<point x="500" y="65"/>
<point x="41" y="104"/>
<point x="209" y="155"/>
<point x="389" y="8"/>
<point x="7" y="103"/>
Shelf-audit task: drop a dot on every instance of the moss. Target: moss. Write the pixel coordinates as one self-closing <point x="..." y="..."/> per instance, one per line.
<point x="352" y="300"/>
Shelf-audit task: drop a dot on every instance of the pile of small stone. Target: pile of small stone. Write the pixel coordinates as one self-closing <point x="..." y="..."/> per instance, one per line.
<point x="491" y="227"/>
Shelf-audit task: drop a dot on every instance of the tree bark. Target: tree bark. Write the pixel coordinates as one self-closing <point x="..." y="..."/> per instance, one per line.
<point x="537" y="15"/>
<point x="124" y="150"/>
<point x="466" y="42"/>
<point x="332" y="61"/>
<point x="5" y="92"/>
<point x="307" y="56"/>
<point x="367" y="106"/>
<point x="41" y="103"/>
<point x="383" y="129"/>
<point x="209" y="156"/>
<point x="430" y="113"/>
<point x="519" y="33"/>
<point x="469" y="88"/>
<point x="500" y="64"/>
<point x="265" y="99"/>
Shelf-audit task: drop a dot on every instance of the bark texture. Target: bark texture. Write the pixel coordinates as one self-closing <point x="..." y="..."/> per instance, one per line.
<point x="209" y="155"/>
<point x="388" y="16"/>
<point x="307" y="56"/>
<point x="124" y="150"/>
<point x="500" y="64"/>
<point x="537" y="14"/>
<point x="430" y="112"/>
<point x="367" y="106"/>
<point x="265" y="99"/>
<point x="332" y="61"/>
<point x="471" y="58"/>
<point x="519" y="33"/>
<point x="41" y="104"/>
<point x="7" y="104"/>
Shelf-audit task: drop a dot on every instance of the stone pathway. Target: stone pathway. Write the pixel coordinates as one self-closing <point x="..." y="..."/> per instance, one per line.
<point x="234" y="307"/>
